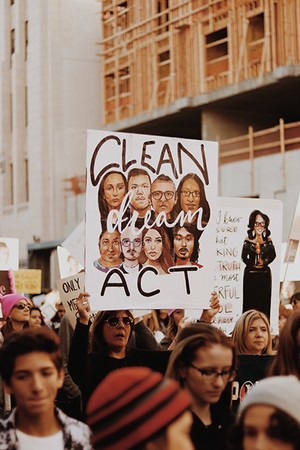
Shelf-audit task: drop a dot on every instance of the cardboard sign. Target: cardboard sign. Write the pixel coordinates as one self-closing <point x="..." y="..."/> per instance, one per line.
<point x="69" y="288"/>
<point x="9" y="253"/>
<point x="139" y="189"/>
<point x="28" y="281"/>
<point x="6" y="282"/>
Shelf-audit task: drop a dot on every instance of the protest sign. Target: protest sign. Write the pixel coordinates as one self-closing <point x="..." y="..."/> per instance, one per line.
<point x="28" y="281"/>
<point x="9" y="253"/>
<point x="69" y="288"/>
<point x="7" y="285"/>
<point x="150" y="204"/>
<point x="247" y="273"/>
<point x="68" y="265"/>
<point x="75" y="243"/>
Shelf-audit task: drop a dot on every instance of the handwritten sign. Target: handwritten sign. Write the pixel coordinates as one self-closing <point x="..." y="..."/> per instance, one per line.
<point x="69" y="288"/>
<point x="28" y="281"/>
<point x="151" y="204"/>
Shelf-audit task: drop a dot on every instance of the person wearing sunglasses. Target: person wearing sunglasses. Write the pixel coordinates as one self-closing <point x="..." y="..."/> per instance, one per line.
<point x="204" y="362"/>
<point x="16" y="311"/>
<point x="258" y="253"/>
<point x="114" y="340"/>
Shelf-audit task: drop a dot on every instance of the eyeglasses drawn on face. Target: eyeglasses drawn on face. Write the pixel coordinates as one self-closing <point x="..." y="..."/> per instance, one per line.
<point x="136" y="242"/>
<point x="114" y="321"/>
<point x="157" y="195"/>
<point x="187" y="193"/>
<point x="21" y="306"/>
<point x="212" y="374"/>
<point x="257" y="224"/>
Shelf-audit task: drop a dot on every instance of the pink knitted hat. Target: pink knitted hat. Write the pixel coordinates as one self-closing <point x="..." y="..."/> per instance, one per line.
<point x="9" y="301"/>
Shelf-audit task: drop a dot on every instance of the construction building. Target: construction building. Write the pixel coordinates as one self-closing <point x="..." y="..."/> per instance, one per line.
<point x="225" y="70"/>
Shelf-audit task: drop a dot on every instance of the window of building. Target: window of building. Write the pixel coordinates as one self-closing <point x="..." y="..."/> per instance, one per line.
<point x="12" y="41"/>
<point x="163" y="16"/>
<point x="217" y="52"/>
<point x="26" y="38"/>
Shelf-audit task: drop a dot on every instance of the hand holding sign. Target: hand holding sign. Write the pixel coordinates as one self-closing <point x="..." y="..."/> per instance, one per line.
<point x="83" y="307"/>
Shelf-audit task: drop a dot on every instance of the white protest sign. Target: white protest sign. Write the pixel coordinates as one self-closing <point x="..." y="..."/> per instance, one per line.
<point x="69" y="289"/>
<point x="141" y="191"/>
<point x="68" y="265"/>
<point x="75" y="243"/>
<point x="247" y="273"/>
<point x="9" y="253"/>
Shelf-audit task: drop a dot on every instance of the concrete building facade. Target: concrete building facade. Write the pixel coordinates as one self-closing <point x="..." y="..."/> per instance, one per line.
<point x="49" y="97"/>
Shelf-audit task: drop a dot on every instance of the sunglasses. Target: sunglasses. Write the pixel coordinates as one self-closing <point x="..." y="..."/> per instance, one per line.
<point x="114" y="321"/>
<point x="21" y="306"/>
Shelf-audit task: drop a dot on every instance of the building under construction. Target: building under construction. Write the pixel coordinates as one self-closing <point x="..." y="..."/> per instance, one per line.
<point x="226" y="70"/>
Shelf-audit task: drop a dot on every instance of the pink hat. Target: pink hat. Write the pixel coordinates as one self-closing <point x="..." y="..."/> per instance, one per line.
<point x="9" y="301"/>
<point x="170" y="311"/>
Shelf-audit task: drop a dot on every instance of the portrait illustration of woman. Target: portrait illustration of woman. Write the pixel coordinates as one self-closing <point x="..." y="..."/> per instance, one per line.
<point x="258" y="252"/>
<point x="112" y="190"/>
<point x="191" y="197"/>
<point x="157" y="249"/>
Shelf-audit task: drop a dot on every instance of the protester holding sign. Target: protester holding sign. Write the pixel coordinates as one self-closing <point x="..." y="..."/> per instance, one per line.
<point x="109" y="349"/>
<point x="203" y="362"/>
<point x="258" y="252"/>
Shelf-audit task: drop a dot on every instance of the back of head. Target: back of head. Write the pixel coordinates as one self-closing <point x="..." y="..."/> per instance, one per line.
<point x="30" y="340"/>
<point x="132" y="406"/>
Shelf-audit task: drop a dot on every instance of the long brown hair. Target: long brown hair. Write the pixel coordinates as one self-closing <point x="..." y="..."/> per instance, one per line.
<point x="165" y="259"/>
<point x="287" y="360"/>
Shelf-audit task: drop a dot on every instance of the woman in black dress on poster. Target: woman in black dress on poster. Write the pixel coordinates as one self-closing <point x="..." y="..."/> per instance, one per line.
<point x="258" y="252"/>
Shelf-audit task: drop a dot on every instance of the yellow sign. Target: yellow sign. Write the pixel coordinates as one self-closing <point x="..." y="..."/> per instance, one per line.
<point x="28" y="281"/>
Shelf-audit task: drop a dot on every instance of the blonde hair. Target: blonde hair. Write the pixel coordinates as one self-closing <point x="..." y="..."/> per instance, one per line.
<point x="241" y="331"/>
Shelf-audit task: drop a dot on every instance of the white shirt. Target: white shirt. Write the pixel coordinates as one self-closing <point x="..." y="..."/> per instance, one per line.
<point x="28" y="442"/>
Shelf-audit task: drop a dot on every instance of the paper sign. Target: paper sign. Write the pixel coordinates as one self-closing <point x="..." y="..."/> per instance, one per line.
<point x="68" y="265"/>
<point x="28" y="281"/>
<point x="75" y="243"/>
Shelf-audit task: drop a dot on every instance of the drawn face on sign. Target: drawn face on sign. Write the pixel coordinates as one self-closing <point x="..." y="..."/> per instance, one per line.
<point x="183" y="244"/>
<point x="110" y="250"/>
<point x="259" y="225"/>
<point x="163" y="196"/>
<point x="153" y="245"/>
<point x="139" y="185"/>
<point x="131" y="245"/>
<point x="114" y="190"/>
<point x="190" y="195"/>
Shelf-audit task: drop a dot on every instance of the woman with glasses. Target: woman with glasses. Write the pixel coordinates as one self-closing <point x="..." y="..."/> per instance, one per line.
<point x="258" y="252"/>
<point x="16" y="311"/>
<point x="106" y="348"/>
<point x="203" y="362"/>
<point x="191" y="197"/>
<point x="157" y="249"/>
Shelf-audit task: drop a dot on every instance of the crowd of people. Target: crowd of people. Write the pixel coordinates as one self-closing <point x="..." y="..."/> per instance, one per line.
<point x="156" y="382"/>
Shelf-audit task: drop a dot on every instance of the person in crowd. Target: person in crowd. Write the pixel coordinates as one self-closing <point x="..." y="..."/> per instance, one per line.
<point x="186" y="245"/>
<point x="163" y="196"/>
<point x="253" y="340"/>
<point x="56" y="319"/>
<point x="283" y="315"/>
<point x="286" y="361"/>
<point x="257" y="254"/>
<point x="109" y="346"/>
<point x="135" y="408"/>
<point x="139" y="185"/>
<point x="110" y="251"/>
<point x="36" y="318"/>
<point x="15" y="309"/>
<point x="204" y="362"/>
<point x="269" y="416"/>
<point x="131" y="246"/>
<point x="152" y="323"/>
<point x="112" y="190"/>
<point x="295" y="301"/>
<point x="191" y="197"/>
<point x="252" y="334"/>
<point x="31" y="367"/>
<point x="163" y="319"/>
<point x="157" y="250"/>
<point x="177" y="321"/>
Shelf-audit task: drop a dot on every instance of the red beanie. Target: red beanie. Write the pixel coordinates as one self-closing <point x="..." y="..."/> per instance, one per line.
<point x="9" y="301"/>
<point x="131" y="406"/>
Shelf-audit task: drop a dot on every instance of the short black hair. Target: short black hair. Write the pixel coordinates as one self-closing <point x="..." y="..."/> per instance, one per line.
<point x="27" y="341"/>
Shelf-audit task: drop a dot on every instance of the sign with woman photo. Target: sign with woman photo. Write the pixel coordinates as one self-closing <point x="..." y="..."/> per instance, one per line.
<point x="150" y="221"/>
<point x="248" y="244"/>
